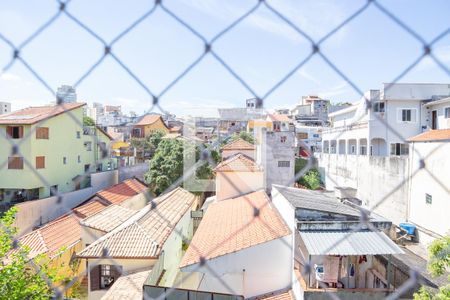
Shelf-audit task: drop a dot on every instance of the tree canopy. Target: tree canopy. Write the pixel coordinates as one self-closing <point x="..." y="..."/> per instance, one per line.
<point x="21" y="278"/>
<point x="88" y="121"/>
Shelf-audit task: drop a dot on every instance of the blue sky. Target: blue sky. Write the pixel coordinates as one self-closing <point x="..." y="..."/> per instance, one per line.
<point x="370" y="50"/>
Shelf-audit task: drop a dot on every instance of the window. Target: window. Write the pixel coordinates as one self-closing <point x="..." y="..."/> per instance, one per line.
<point x="378" y="107"/>
<point x="352" y="149"/>
<point x="15" y="163"/>
<point x="399" y="149"/>
<point x="315" y="135"/>
<point x="53" y="190"/>
<point x="14" y="132"/>
<point x="79" y="159"/>
<point x="42" y="133"/>
<point x="78" y="134"/>
<point x="407" y="115"/>
<point x="86" y="168"/>
<point x="428" y="199"/>
<point x="284" y="164"/>
<point x="447" y="112"/>
<point x="65" y="160"/>
<point x="88" y="146"/>
<point x="106" y="276"/>
<point x="283" y="139"/>
<point x="363" y="150"/>
<point x="136" y="132"/>
<point x="40" y="162"/>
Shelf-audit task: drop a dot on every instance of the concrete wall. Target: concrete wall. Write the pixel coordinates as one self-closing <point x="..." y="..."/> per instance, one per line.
<point x="233" y="184"/>
<point x="432" y="218"/>
<point x="252" y="271"/>
<point x="381" y="182"/>
<point x="37" y="212"/>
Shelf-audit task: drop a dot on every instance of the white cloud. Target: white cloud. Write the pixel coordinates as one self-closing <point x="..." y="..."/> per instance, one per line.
<point x="339" y="89"/>
<point x="9" y="77"/>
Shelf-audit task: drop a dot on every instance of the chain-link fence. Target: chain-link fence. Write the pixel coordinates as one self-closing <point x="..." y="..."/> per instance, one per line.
<point x="156" y="98"/>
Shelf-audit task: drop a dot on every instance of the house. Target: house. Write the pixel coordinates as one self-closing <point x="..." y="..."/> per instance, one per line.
<point x="335" y="251"/>
<point x="153" y="234"/>
<point x="148" y="124"/>
<point x="62" y="238"/>
<point x="237" y="175"/>
<point x="238" y="146"/>
<point x="53" y="145"/>
<point x="232" y="253"/>
<point x="395" y="114"/>
<point x="279" y="122"/>
<point x="312" y="110"/>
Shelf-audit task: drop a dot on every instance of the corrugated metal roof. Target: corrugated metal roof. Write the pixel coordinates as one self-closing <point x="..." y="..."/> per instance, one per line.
<point x="316" y="200"/>
<point x="348" y="243"/>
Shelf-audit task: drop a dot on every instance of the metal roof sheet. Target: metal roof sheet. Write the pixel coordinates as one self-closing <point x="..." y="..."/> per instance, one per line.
<point x="316" y="200"/>
<point x="348" y="243"/>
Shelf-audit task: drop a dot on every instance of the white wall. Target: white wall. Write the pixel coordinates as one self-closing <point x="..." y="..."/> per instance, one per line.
<point x="268" y="267"/>
<point x="432" y="219"/>
<point x="414" y="90"/>
<point x="37" y="212"/>
<point x="128" y="265"/>
<point x="380" y="181"/>
<point x="233" y="184"/>
<point x="442" y="122"/>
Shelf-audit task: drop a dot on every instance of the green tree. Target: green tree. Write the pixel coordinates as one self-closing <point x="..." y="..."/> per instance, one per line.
<point x="148" y="143"/>
<point x="438" y="264"/>
<point x="19" y="278"/>
<point x="311" y="179"/>
<point x="88" y="121"/>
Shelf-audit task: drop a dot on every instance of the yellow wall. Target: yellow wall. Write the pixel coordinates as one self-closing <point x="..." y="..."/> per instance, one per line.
<point x="156" y="126"/>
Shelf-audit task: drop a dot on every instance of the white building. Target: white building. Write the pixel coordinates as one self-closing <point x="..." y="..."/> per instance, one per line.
<point x="5" y="107"/>
<point x="395" y="115"/>
<point x="66" y="94"/>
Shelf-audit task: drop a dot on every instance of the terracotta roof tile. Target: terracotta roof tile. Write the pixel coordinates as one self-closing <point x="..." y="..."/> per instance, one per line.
<point x="149" y="119"/>
<point x="230" y="225"/>
<point x="432" y="135"/>
<point x="239" y="144"/>
<point x="286" y="295"/>
<point x="238" y="163"/>
<point x="127" y="287"/>
<point x="143" y="235"/>
<point x="108" y="218"/>
<point x="32" y="115"/>
<point x="90" y="208"/>
<point x="51" y="237"/>
<point x="122" y="191"/>
<point x="279" y="118"/>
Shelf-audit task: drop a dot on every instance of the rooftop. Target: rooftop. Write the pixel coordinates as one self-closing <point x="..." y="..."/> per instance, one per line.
<point x="348" y="243"/>
<point x="231" y="225"/>
<point x="279" y="118"/>
<point x="122" y="191"/>
<point x="435" y="135"/>
<point x="144" y="233"/>
<point x="316" y="200"/>
<point x="283" y="295"/>
<point x="90" y="207"/>
<point x="32" y="115"/>
<point x="108" y="218"/>
<point x="127" y="287"/>
<point x="237" y="163"/>
<point x="239" y="144"/>
<point x="50" y="238"/>
<point x="149" y="119"/>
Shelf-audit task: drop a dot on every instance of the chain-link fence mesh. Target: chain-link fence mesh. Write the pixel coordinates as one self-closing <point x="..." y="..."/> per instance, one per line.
<point x="157" y="101"/>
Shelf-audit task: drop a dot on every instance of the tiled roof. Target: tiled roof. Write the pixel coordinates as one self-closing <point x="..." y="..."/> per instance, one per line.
<point x="149" y="119"/>
<point x="286" y="295"/>
<point x="50" y="238"/>
<point x="239" y="144"/>
<point x="90" y="207"/>
<point x="108" y="218"/>
<point x="231" y="225"/>
<point x="432" y="135"/>
<point x="239" y="163"/>
<point x="279" y="118"/>
<point x="32" y="115"/>
<point x="122" y="191"/>
<point x="128" y="287"/>
<point x="143" y="235"/>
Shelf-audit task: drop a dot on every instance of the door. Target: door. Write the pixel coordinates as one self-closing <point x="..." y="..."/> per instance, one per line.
<point x="434" y="119"/>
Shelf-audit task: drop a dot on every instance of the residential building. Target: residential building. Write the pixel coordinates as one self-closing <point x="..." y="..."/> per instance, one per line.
<point x="238" y="146"/>
<point x="148" y="124"/>
<point x="312" y="109"/>
<point x="280" y="122"/>
<point x="150" y="239"/>
<point x="254" y="103"/>
<point x="234" y="120"/>
<point x="5" y="107"/>
<point x="308" y="139"/>
<point x="232" y="251"/>
<point x="56" y="152"/>
<point x="62" y="238"/>
<point x="66" y="94"/>
<point x="395" y="115"/>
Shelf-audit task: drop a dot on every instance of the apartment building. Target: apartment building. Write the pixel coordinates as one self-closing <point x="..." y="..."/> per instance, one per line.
<point x="396" y="113"/>
<point x="48" y="150"/>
